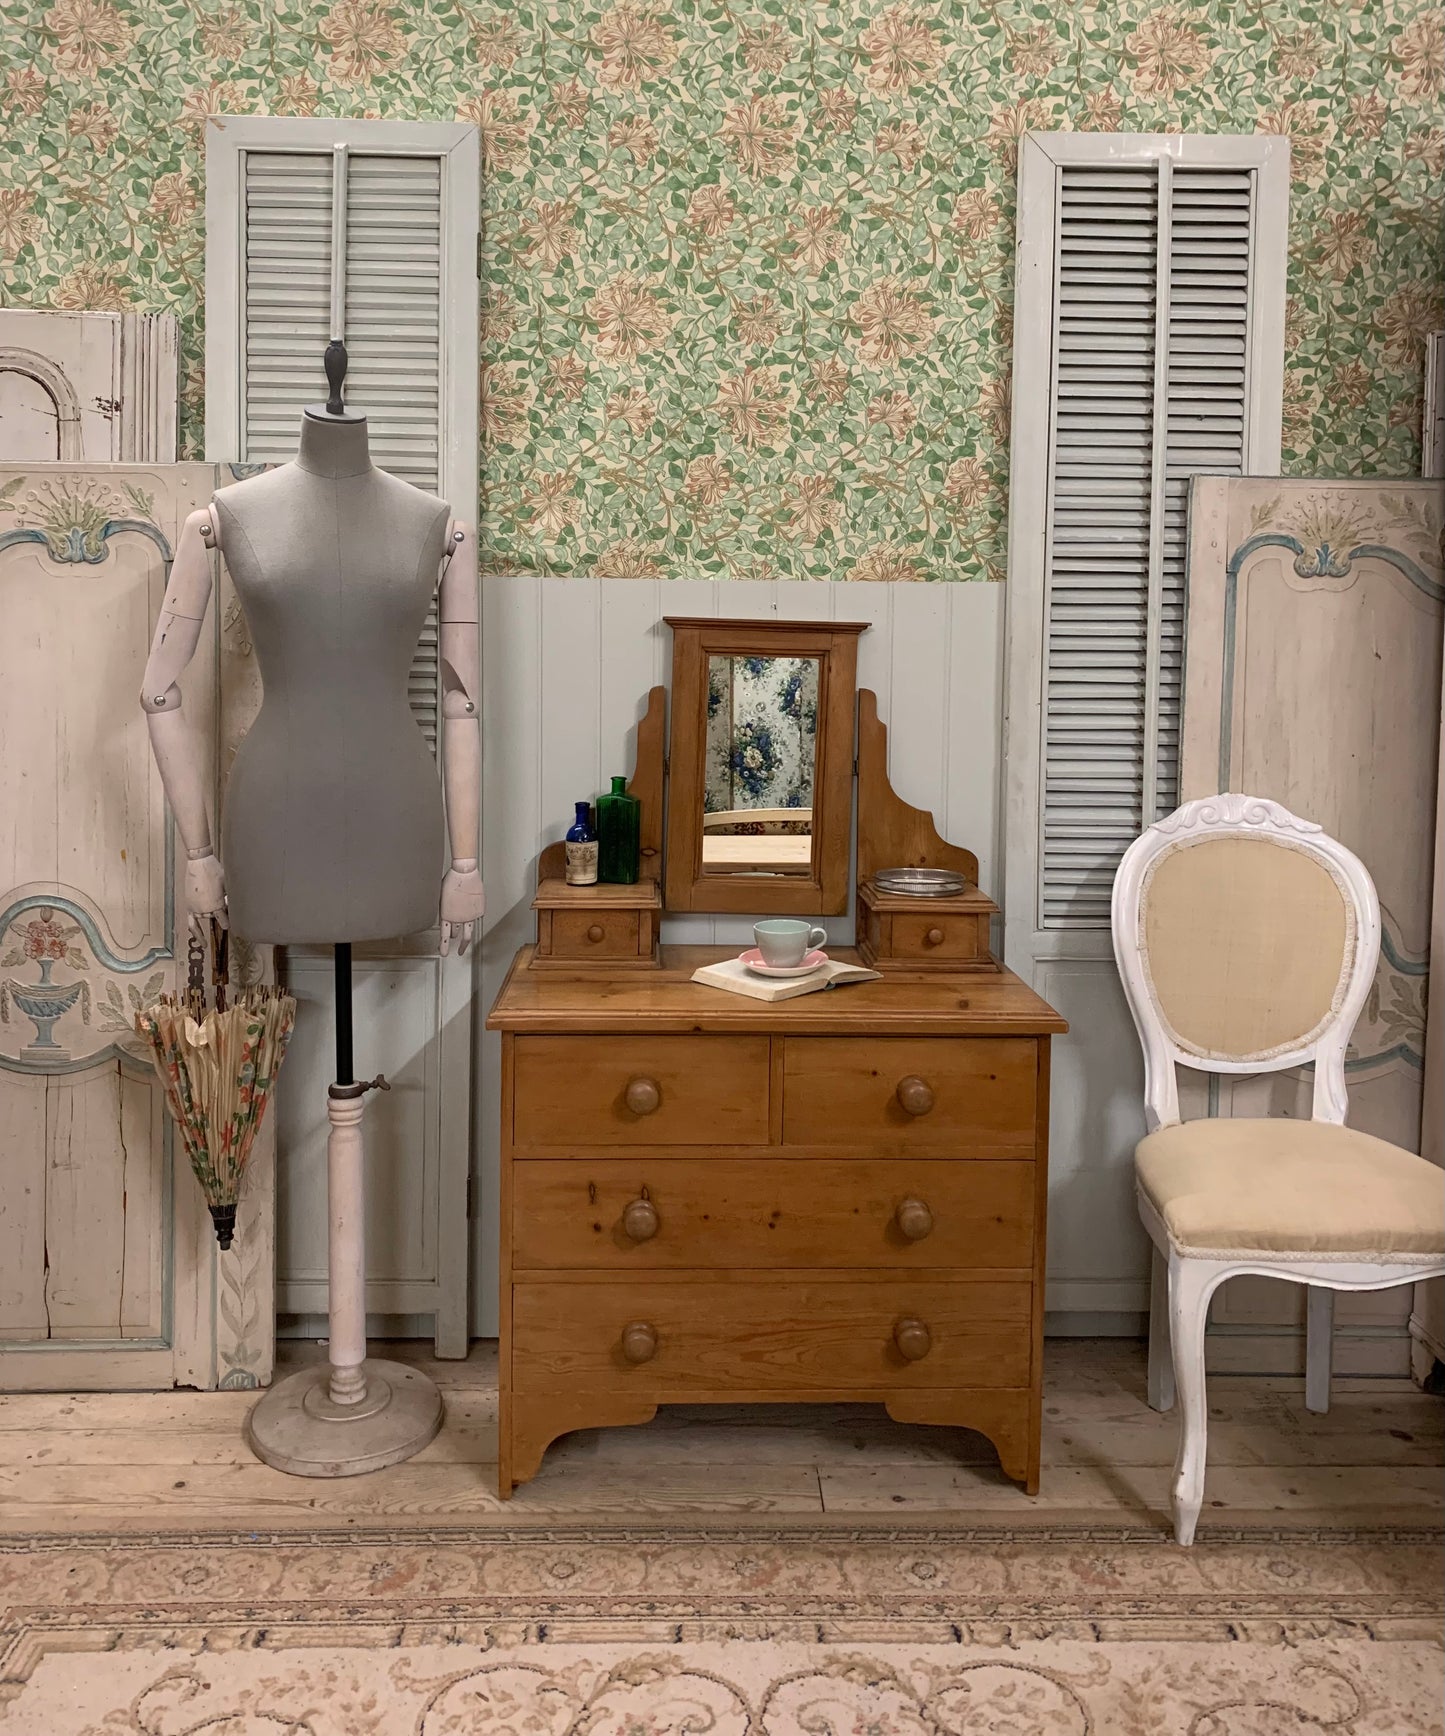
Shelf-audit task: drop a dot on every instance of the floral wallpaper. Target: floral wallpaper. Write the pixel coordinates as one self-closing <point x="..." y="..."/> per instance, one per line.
<point x="762" y="723"/>
<point x="748" y="267"/>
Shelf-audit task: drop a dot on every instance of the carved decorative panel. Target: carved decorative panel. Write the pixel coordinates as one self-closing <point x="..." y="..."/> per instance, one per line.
<point x="1312" y="676"/>
<point x="109" y="1274"/>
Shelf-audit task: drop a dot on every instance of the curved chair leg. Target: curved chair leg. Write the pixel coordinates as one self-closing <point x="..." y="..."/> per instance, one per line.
<point x="1161" y="1363"/>
<point x="1319" y="1346"/>
<point x="1191" y="1283"/>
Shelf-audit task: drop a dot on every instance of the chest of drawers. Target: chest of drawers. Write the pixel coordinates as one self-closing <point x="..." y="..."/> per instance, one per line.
<point x="708" y="1199"/>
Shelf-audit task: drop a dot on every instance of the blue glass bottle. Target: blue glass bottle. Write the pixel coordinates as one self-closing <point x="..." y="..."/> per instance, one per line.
<point x="582" y="848"/>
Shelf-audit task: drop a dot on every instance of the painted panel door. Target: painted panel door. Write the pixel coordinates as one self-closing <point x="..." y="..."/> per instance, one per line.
<point x="109" y="1275"/>
<point x="1313" y="677"/>
<point x="87" y="387"/>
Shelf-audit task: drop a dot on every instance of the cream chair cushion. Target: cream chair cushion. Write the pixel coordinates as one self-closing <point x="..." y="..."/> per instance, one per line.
<point x="1305" y="1188"/>
<point x="1247" y="945"/>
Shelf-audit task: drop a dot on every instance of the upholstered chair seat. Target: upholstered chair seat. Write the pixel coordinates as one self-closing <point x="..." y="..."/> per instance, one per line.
<point x="1302" y="1189"/>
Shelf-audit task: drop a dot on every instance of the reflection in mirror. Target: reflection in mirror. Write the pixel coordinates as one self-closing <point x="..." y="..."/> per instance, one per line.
<point x="762" y="728"/>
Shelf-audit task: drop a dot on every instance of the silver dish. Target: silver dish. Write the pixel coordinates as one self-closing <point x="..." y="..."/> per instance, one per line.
<point x="920" y="882"/>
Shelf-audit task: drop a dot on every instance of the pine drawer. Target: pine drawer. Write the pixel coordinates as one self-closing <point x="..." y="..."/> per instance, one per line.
<point x="965" y="1097"/>
<point x="666" y="1090"/>
<point x="666" y="1213"/>
<point x="717" y="1341"/>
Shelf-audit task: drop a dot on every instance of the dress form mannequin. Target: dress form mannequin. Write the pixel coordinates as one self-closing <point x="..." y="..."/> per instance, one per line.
<point x="334" y="821"/>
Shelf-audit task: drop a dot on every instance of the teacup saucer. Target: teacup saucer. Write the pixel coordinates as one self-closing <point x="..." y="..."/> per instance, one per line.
<point x="812" y="961"/>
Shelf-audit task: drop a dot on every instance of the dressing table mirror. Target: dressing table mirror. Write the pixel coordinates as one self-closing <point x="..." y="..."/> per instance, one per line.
<point x="760" y="765"/>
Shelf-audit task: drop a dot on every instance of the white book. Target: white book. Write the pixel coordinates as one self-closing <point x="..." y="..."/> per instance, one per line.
<point x="734" y="976"/>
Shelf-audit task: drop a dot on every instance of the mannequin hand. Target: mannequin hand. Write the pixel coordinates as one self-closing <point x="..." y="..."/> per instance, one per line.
<point x="205" y="891"/>
<point x="463" y="902"/>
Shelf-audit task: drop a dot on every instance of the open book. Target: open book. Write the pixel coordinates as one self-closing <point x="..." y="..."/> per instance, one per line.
<point x="732" y="974"/>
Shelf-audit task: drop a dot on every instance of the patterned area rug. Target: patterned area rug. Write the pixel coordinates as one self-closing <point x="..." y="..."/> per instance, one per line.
<point x="729" y="1632"/>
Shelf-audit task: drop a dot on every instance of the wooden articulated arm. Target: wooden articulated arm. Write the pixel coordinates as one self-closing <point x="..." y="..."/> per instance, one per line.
<point x="177" y="750"/>
<point x="462" y="898"/>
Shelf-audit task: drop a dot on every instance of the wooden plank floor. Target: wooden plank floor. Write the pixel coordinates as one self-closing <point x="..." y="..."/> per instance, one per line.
<point x="116" y="1461"/>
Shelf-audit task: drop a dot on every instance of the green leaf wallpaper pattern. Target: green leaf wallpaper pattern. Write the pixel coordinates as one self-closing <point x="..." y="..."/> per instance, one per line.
<point x="748" y="264"/>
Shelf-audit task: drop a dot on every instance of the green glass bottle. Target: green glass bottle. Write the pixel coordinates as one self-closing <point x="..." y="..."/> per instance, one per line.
<point x="619" y="836"/>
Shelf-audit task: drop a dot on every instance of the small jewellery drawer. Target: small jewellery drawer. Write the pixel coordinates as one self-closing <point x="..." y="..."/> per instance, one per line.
<point x="584" y="934"/>
<point x="953" y="1096"/>
<point x="707" y="1341"/>
<point x="951" y="938"/>
<point x="677" y="1091"/>
<point x="631" y="1214"/>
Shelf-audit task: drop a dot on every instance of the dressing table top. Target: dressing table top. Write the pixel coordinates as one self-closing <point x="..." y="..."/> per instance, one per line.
<point x="997" y="1004"/>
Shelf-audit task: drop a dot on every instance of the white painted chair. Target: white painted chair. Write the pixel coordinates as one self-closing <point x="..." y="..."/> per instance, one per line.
<point x="1247" y="942"/>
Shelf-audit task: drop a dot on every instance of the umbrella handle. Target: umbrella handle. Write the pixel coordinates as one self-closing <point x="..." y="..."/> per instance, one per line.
<point x="195" y="977"/>
<point x="220" y="962"/>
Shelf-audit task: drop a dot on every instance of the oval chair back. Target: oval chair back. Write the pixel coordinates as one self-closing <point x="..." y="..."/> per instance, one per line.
<point x="1247" y="940"/>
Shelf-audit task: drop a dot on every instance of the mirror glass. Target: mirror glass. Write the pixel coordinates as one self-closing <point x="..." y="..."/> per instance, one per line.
<point x="762" y="729"/>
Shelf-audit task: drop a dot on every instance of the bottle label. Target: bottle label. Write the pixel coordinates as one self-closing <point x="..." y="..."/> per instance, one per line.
<point x="582" y="864"/>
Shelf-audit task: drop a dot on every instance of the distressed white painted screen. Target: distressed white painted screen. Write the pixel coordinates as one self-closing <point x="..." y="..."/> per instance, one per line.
<point x="392" y="263"/>
<point x="1151" y="338"/>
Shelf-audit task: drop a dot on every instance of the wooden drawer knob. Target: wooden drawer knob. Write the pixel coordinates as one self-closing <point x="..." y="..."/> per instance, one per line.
<point x="915" y="1095"/>
<point x="913" y="1339"/>
<point x="934" y="937"/>
<point x="640" y="1220"/>
<point x="642" y="1096"/>
<point x="596" y="933"/>
<point x="639" y="1341"/>
<point x="914" y="1219"/>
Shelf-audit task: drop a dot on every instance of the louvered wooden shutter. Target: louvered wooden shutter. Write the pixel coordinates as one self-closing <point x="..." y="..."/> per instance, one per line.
<point x="393" y="320"/>
<point x="1153" y="301"/>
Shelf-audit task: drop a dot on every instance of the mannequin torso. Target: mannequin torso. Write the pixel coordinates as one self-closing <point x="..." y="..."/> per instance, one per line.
<point x="333" y="823"/>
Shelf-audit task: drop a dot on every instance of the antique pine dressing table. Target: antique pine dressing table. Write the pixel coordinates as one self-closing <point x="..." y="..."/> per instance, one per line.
<point x="713" y="1199"/>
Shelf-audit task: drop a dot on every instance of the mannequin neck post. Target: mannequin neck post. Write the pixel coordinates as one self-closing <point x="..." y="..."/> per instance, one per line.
<point x="341" y="965"/>
<point x="333" y="446"/>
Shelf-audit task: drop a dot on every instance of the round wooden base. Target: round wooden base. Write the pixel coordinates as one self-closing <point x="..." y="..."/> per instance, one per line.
<point x="297" y="1428"/>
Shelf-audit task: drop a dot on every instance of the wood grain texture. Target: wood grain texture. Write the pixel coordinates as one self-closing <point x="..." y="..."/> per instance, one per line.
<point x="668" y="1000"/>
<point x="156" y="1461"/>
<point x="850" y="1091"/>
<point x="891" y="832"/>
<point x="824" y="888"/>
<point x="788" y="1337"/>
<point x="741" y="1212"/>
<point x="575" y="1089"/>
<point x="23" y="1163"/>
<point x="1004" y="1417"/>
<point x="646" y="782"/>
<point x="1314" y="678"/>
<point x="105" y="1276"/>
<point x="553" y="893"/>
<point x="657" y="1258"/>
<point x="610" y="926"/>
<point x="610" y="935"/>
